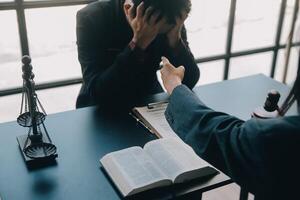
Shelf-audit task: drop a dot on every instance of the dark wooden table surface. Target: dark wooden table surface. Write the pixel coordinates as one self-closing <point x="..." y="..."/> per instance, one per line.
<point x="83" y="136"/>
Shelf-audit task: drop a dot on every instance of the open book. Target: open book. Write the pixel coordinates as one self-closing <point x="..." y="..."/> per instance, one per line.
<point x="153" y="118"/>
<point x="160" y="163"/>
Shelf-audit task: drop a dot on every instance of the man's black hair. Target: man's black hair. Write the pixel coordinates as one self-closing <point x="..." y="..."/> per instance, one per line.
<point x="168" y="8"/>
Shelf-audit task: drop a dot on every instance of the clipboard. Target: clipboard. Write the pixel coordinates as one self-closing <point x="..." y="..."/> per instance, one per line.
<point x="153" y="119"/>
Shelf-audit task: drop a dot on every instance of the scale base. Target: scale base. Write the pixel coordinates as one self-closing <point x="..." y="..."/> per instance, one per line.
<point x="35" y="162"/>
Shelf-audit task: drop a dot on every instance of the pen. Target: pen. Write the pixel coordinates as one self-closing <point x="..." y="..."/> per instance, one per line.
<point x="153" y="105"/>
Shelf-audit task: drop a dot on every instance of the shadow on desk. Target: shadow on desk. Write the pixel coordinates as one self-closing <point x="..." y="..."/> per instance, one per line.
<point x="41" y="164"/>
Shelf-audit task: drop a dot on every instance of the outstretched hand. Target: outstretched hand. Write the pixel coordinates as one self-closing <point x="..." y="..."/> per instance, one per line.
<point x="170" y="75"/>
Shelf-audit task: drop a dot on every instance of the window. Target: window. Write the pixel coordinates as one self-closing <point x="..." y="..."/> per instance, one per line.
<point x="10" y="105"/>
<point x="287" y="24"/>
<point x="255" y="24"/>
<point x="211" y="72"/>
<point x="207" y="27"/>
<point x="53" y="45"/>
<point x="292" y="67"/>
<point x="249" y="65"/>
<point x="10" y="51"/>
<point x="234" y="36"/>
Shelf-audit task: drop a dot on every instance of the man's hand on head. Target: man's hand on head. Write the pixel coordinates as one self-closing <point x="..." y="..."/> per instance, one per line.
<point x="171" y="76"/>
<point x="174" y="35"/>
<point x="145" y="24"/>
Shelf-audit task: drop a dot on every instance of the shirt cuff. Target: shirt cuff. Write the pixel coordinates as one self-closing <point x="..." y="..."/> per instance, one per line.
<point x="181" y="101"/>
<point x="140" y="54"/>
<point x="181" y="92"/>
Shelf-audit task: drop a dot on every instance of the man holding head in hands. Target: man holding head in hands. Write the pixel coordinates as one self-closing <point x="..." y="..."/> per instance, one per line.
<point x="120" y="43"/>
<point x="262" y="155"/>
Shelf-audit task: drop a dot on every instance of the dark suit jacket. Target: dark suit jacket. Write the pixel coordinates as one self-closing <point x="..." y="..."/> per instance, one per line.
<point x="260" y="155"/>
<point x="113" y="74"/>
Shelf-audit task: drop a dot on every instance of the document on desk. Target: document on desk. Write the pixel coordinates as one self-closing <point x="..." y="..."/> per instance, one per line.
<point x="153" y="118"/>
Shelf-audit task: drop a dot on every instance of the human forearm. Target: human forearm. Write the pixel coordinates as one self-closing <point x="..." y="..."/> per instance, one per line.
<point x="230" y="144"/>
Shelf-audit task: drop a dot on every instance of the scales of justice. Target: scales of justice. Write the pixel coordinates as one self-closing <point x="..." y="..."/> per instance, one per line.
<point x="36" y="146"/>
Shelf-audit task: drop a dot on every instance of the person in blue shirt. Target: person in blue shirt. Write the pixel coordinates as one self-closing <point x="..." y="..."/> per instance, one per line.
<point x="261" y="155"/>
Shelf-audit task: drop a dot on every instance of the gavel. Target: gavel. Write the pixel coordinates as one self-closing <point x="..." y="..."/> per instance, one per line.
<point x="270" y="108"/>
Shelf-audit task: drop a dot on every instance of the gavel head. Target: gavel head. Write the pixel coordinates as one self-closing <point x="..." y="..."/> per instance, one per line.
<point x="272" y="100"/>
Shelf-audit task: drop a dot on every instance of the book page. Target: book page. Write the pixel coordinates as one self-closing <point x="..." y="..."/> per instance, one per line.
<point x="174" y="158"/>
<point x="155" y="118"/>
<point x="133" y="171"/>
